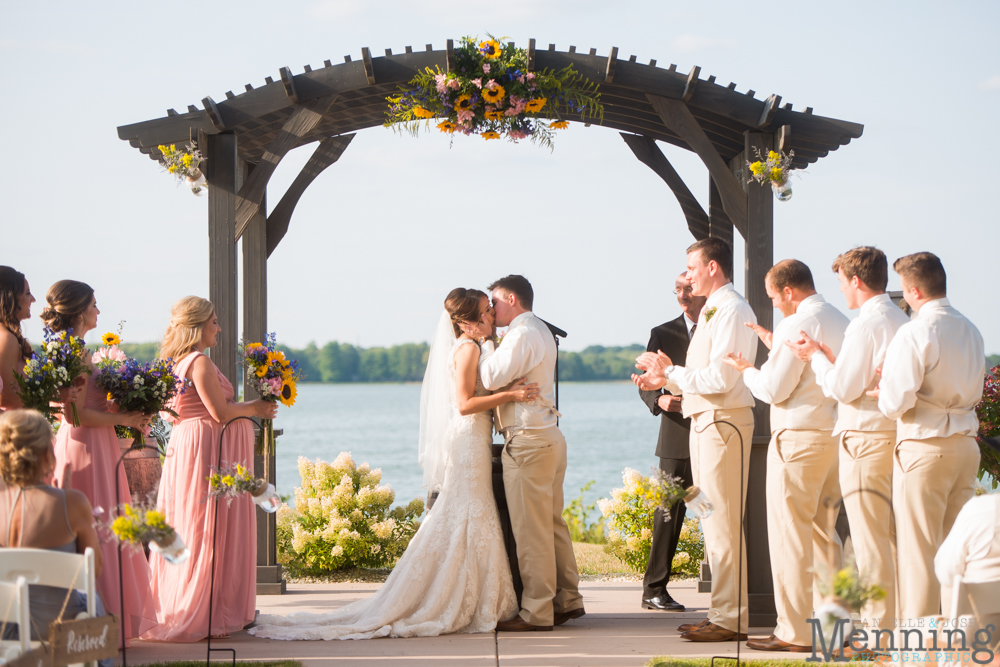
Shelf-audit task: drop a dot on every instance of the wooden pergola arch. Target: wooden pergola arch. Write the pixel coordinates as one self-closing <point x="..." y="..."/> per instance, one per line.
<point x="245" y="136"/>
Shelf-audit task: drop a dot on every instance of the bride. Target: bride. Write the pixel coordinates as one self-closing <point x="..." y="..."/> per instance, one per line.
<point x="454" y="575"/>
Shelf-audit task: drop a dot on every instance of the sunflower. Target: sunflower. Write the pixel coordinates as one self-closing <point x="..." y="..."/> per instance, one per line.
<point x="536" y="105"/>
<point x="275" y="357"/>
<point x="494" y="115"/>
<point x="490" y="49"/>
<point x="261" y="371"/>
<point x="559" y="125"/>
<point x="463" y="103"/>
<point x="446" y="126"/>
<point x="288" y="393"/>
<point x="494" y="94"/>
<point x="110" y="339"/>
<point x="490" y="135"/>
<point x="421" y="112"/>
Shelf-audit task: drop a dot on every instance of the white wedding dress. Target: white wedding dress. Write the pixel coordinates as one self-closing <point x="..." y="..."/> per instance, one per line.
<point x="454" y="575"/>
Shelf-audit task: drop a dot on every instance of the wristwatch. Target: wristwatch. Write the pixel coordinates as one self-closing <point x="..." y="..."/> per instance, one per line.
<point x="667" y="371"/>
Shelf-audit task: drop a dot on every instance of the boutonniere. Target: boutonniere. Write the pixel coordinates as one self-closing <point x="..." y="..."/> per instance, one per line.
<point x="499" y="339"/>
<point x="709" y="314"/>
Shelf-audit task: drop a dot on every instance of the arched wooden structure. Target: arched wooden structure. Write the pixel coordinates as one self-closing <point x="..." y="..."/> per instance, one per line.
<point x="245" y="136"/>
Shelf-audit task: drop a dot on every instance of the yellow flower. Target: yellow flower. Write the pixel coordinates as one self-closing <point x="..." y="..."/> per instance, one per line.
<point x="490" y="135"/>
<point x="777" y="174"/>
<point x="559" y="125"/>
<point x="110" y="397"/>
<point x="536" y="105"/>
<point x="172" y="168"/>
<point x="187" y="159"/>
<point x="490" y="49"/>
<point x="494" y="94"/>
<point x="287" y="372"/>
<point x="757" y="168"/>
<point x="110" y="339"/>
<point x="494" y="115"/>
<point x="771" y="155"/>
<point x="155" y="519"/>
<point x="275" y="358"/>
<point x="261" y="371"/>
<point x="421" y="112"/>
<point x="446" y="126"/>
<point x="228" y="480"/>
<point x="240" y="470"/>
<point x="463" y="103"/>
<point x="288" y="393"/>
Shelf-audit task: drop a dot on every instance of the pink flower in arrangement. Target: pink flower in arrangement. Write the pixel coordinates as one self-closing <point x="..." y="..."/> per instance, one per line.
<point x="478" y="83"/>
<point x="465" y="115"/>
<point x="441" y="81"/>
<point x="274" y="384"/>
<point x="518" y="134"/>
<point x="521" y="78"/>
<point x="454" y="84"/>
<point x="486" y="68"/>
<point x="492" y="84"/>
<point x="112" y="353"/>
<point x="531" y="76"/>
<point x="517" y="105"/>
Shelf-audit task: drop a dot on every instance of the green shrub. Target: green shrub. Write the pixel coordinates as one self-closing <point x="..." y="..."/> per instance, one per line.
<point x="576" y="516"/>
<point x="342" y="519"/>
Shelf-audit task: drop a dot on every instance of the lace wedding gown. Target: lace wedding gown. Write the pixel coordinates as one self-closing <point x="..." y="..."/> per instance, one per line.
<point x="453" y="576"/>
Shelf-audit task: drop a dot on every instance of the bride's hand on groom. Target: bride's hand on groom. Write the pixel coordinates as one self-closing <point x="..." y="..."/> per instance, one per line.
<point x="522" y="391"/>
<point x="476" y="330"/>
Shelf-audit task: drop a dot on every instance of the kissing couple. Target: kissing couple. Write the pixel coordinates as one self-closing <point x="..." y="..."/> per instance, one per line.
<point x="454" y="575"/>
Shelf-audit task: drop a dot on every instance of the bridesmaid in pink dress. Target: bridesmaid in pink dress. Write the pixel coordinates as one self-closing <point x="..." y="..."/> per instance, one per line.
<point x="88" y="455"/>
<point x="15" y="306"/>
<point x="205" y="406"/>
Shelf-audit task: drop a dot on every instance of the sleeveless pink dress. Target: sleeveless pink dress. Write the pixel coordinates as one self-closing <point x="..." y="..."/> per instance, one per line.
<point x="93" y="452"/>
<point x="182" y="590"/>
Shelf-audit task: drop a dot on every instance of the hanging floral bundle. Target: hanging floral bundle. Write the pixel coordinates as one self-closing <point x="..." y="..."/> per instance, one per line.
<point x="274" y="378"/>
<point x="491" y="93"/>
<point x="184" y="164"/>
<point x="58" y="365"/>
<point x="232" y="482"/>
<point x="774" y="170"/>
<point x="141" y="523"/>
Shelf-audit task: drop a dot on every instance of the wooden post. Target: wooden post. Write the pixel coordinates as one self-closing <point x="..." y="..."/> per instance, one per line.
<point x="224" y="181"/>
<point x="719" y="224"/>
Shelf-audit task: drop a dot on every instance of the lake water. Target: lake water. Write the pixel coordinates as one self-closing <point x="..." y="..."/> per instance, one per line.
<point x="606" y="424"/>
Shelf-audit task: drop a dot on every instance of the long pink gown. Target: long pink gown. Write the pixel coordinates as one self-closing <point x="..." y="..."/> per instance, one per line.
<point x="183" y="590"/>
<point x="93" y="452"/>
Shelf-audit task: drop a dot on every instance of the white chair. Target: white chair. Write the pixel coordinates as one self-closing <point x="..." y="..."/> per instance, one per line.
<point x="980" y="599"/>
<point x="14" y="607"/>
<point x="52" y="568"/>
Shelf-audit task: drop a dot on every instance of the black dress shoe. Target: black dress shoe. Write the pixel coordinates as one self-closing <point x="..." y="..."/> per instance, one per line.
<point x="662" y="602"/>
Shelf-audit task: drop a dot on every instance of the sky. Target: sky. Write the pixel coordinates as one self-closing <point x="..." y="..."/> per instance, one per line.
<point x="382" y="236"/>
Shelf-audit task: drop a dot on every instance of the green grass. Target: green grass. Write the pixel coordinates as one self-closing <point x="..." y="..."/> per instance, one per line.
<point x="667" y="661"/>
<point x="591" y="560"/>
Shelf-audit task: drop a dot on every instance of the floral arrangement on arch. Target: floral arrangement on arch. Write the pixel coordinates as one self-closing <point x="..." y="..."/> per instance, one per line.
<point x="273" y="377"/>
<point x="491" y="93"/>
<point x="988" y="411"/>
<point x="774" y="169"/>
<point x="60" y="364"/>
<point x="185" y="165"/>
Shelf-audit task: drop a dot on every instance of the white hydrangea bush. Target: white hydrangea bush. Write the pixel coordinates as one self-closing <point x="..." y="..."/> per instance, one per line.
<point x="343" y="518"/>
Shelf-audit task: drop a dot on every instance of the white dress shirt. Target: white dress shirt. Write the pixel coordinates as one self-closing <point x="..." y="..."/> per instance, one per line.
<point x="787" y="382"/>
<point x="972" y="548"/>
<point x="528" y="351"/>
<point x="867" y="338"/>
<point x="933" y="374"/>
<point x="710" y="379"/>
<point x="690" y="324"/>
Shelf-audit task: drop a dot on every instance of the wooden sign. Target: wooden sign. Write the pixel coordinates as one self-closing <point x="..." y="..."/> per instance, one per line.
<point x="40" y="657"/>
<point x="83" y="641"/>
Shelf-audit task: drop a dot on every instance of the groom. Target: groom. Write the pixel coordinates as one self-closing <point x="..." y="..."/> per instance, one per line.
<point x="534" y="461"/>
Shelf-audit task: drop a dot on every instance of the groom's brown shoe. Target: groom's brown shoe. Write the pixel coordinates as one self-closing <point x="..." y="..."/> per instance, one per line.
<point x="692" y="626"/>
<point x="569" y="615"/>
<point x="518" y="624"/>
<point x="713" y="633"/>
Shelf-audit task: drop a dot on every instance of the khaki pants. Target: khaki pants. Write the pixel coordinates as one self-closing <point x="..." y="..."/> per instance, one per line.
<point x="534" y="465"/>
<point x="715" y="466"/>
<point x="931" y="480"/>
<point x="802" y="488"/>
<point x="866" y="463"/>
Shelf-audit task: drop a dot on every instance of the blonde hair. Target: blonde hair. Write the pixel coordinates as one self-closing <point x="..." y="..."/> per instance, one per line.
<point x="187" y="319"/>
<point x="25" y="439"/>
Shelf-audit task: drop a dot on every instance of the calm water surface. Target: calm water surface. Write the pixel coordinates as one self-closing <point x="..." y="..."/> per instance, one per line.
<point x="607" y="429"/>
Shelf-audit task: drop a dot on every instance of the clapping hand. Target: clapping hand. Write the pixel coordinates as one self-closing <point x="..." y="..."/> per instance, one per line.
<point x="762" y="333"/>
<point x="670" y="403"/>
<point x="874" y="393"/>
<point x="737" y="361"/>
<point x="654" y="365"/>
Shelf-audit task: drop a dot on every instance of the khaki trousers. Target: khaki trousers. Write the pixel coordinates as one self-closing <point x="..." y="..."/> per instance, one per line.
<point x="802" y="487"/>
<point x="866" y="463"/>
<point x="931" y="480"/>
<point x="534" y="465"/>
<point x="715" y="466"/>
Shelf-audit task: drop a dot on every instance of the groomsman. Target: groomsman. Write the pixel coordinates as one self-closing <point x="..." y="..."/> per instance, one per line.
<point x="932" y="380"/>
<point x="866" y="436"/>
<point x="802" y="482"/>
<point x="672" y="447"/>
<point x="714" y="392"/>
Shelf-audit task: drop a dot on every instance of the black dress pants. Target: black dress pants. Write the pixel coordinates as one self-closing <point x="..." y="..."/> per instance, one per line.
<point x="666" y="533"/>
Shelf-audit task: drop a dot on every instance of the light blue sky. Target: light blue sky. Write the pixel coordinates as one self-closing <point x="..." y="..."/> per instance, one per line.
<point x="383" y="235"/>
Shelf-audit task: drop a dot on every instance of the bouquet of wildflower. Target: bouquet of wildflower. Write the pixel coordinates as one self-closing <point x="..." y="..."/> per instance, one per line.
<point x="273" y="377"/>
<point x="988" y="411"/>
<point x="774" y="170"/>
<point x="139" y="524"/>
<point x="135" y="386"/>
<point x="845" y="592"/>
<point x="59" y="365"/>
<point x="230" y="483"/>
<point x="184" y="164"/>
<point x="490" y="92"/>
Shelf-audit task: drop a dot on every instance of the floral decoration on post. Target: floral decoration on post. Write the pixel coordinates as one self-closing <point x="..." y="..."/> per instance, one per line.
<point x="137" y="524"/>
<point x="491" y="93"/>
<point x="274" y="378"/>
<point x="845" y="592"/>
<point x="988" y="412"/>
<point x="232" y="482"/>
<point x="774" y="170"/>
<point x="58" y="365"/>
<point x="185" y="165"/>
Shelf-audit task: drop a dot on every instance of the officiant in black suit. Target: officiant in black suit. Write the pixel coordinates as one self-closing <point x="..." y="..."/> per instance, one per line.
<point x="671" y="447"/>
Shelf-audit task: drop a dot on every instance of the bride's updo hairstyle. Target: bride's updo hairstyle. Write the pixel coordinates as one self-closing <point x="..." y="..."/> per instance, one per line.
<point x="463" y="306"/>
<point x="187" y="319"/>
<point x="25" y="440"/>
<point x="67" y="300"/>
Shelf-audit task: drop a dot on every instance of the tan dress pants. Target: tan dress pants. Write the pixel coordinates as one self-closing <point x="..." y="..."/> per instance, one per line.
<point x="866" y="463"/>
<point x="802" y="486"/>
<point x="715" y="466"/>
<point x="931" y="480"/>
<point x="534" y="465"/>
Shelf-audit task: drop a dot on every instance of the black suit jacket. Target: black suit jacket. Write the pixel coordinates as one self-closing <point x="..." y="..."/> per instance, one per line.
<point x="672" y="338"/>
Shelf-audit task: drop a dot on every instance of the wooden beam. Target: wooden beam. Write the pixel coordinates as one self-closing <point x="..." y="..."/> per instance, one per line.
<point x="759" y="252"/>
<point x="609" y="72"/>
<point x="531" y="54"/>
<point x="288" y="83"/>
<point x="366" y="59"/>
<point x="770" y="108"/>
<point x="449" y="55"/>
<point x="719" y="224"/>
<point x="690" y="84"/>
<point x="213" y="114"/>
<point x="785" y="138"/>
<point x="649" y="154"/>
<point x="304" y="119"/>
<point x="677" y="117"/>
<point x="327" y="152"/>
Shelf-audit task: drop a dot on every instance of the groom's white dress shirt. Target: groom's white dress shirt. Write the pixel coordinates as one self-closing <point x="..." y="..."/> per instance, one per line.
<point x="528" y="350"/>
<point x="787" y="382"/>
<point x="865" y="343"/>
<point x="932" y="377"/>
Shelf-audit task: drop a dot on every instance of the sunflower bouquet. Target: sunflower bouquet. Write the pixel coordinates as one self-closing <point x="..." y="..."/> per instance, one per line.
<point x="185" y="165"/>
<point x="274" y="378"/>
<point x="490" y="92"/>
<point x="774" y="169"/>
<point x="232" y="482"/>
<point x="60" y="364"/>
<point x="139" y="524"/>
